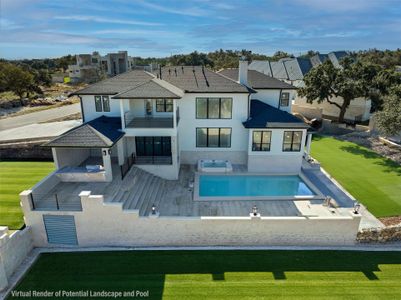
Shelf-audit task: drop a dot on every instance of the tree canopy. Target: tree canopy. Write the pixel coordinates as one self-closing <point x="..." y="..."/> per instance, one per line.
<point x="389" y="118"/>
<point x="14" y="78"/>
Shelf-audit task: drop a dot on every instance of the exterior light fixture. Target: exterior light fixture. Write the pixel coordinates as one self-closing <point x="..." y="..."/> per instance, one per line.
<point x="109" y="151"/>
<point x="255" y="210"/>
<point x="357" y="207"/>
<point x="153" y="209"/>
<point x="104" y="152"/>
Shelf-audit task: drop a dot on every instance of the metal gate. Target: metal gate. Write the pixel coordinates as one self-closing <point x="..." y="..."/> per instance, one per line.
<point x="60" y="229"/>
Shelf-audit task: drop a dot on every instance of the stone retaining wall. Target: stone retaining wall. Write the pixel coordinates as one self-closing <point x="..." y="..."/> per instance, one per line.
<point x="25" y="150"/>
<point x="380" y="235"/>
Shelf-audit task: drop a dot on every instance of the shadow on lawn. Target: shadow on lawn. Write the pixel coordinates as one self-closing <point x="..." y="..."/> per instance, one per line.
<point x="389" y="165"/>
<point x="147" y="270"/>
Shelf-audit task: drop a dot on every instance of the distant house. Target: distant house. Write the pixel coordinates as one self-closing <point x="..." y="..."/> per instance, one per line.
<point x="293" y="70"/>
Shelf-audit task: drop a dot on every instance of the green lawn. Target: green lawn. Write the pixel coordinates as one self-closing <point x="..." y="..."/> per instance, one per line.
<point x="16" y="176"/>
<point x="222" y="274"/>
<point x="371" y="179"/>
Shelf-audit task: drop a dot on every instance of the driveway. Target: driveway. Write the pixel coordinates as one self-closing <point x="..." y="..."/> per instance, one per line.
<point x="40" y="116"/>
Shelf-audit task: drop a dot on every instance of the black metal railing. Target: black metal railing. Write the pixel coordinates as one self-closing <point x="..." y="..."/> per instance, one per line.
<point x="129" y="161"/>
<point x="154" y="160"/>
<point x="56" y="201"/>
<point x="177" y="115"/>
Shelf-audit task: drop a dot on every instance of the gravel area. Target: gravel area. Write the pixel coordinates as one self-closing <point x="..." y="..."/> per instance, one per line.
<point x="391" y="221"/>
<point x="372" y="142"/>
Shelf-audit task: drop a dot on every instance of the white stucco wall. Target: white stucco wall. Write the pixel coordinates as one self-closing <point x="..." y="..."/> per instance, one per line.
<point x="14" y="247"/>
<point x="275" y="160"/>
<point x="70" y="156"/>
<point x="108" y="225"/>
<point x="88" y="104"/>
<point x="188" y="124"/>
<point x="272" y="97"/>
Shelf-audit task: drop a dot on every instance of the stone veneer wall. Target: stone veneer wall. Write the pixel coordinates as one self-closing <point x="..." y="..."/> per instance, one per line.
<point x="25" y="150"/>
<point x="14" y="248"/>
<point x="380" y="235"/>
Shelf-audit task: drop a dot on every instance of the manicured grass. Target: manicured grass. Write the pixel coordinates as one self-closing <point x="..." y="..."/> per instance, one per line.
<point x="370" y="178"/>
<point x="16" y="176"/>
<point x="223" y="274"/>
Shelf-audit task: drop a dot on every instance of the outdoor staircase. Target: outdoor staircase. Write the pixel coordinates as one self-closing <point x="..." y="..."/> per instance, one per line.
<point x="139" y="191"/>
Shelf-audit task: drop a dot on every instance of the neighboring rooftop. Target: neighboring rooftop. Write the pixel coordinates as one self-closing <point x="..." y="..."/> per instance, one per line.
<point x="263" y="115"/>
<point x="102" y="132"/>
<point x="198" y="79"/>
<point x="294" y="69"/>
<point x="257" y="80"/>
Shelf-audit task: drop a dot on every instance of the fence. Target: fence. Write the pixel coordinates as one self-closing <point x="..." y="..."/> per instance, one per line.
<point x="129" y="161"/>
<point x="56" y="201"/>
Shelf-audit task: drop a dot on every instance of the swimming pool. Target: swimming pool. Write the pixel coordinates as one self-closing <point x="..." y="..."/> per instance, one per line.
<point x="217" y="187"/>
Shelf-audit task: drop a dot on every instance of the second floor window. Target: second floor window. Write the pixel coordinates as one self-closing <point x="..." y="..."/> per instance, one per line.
<point x="102" y="103"/>
<point x="261" y="140"/>
<point x="214" y="108"/>
<point x="292" y="141"/>
<point x="213" y="137"/>
<point x="285" y="99"/>
<point x="164" y="105"/>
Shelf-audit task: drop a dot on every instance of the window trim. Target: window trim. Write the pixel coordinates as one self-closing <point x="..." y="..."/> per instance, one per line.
<point x="207" y="137"/>
<point x="281" y="99"/>
<point x="261" y="141"/>
<point x="207" y="108"/>
<point x="98" y="108"/>
<point x="164" y="105"/>
<point x="107" y="98"/>
<point x="292" y="141"/>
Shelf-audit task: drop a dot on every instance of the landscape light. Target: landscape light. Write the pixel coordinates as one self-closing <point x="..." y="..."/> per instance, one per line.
<point x="255" y="210"/>
<point x="153" y="209"/>
<point x="357" y="206"/>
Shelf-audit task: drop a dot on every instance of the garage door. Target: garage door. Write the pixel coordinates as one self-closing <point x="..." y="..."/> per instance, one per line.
<point x="60" y="230"/>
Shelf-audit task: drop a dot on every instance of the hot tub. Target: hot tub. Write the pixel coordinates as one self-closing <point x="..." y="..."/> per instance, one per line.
<point x="214" y="165"/>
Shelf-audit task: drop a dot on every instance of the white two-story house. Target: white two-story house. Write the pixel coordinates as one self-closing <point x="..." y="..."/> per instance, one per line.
<point x="180" y="115"/>
<point x="185" y="156"/>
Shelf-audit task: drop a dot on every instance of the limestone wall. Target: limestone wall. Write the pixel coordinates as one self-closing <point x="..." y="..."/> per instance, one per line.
<point x="14" y="248"/>
<point x="107" y="224"/>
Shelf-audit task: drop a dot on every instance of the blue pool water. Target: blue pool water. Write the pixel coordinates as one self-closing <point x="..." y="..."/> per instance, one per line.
<point x="252" y="185"/>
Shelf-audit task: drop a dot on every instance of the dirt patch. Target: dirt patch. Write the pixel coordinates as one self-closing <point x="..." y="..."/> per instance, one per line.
<point x="76" y="116"/>
<point x="391" y="221"/>
<point x="372" y="142"/>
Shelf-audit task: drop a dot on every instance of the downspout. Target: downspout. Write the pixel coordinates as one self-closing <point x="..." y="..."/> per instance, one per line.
<point x="82" y="109"/>
<point x="279" y="99"/>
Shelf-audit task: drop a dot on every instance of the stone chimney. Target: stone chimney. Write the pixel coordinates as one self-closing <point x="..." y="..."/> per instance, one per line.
<point x="243" y="71"/>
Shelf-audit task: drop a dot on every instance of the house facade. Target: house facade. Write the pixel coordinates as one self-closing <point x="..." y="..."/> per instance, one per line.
<point x="180" y="115"/>
<point x="185" y="156"/>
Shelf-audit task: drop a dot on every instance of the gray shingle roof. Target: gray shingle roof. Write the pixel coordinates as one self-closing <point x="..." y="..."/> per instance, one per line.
<point x="199" y="80"/>
<point x="262" y="66"/>
<point x="149" y="90"/>
<point x="102" y="132"/>
<point x="318" y="59"/>
<point x="263" y="115"/>
<point x="258" y="80"/>
<point x="279" y="70"/>
<point x="297" y="68"/>
<point x="116" y="84"/>
<point x="336" y="56"/>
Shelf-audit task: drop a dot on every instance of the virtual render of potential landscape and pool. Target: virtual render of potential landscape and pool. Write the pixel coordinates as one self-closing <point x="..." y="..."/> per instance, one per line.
<point x="148" y="164"/>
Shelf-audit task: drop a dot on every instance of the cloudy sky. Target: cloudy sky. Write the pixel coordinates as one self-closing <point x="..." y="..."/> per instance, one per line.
<point x="51" y="28"/>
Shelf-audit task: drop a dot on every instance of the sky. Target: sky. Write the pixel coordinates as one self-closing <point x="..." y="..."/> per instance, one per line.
<point x="151" y="28"/>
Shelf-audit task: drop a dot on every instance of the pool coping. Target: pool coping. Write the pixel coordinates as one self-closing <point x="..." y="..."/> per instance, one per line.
<point x="318" y="194"/>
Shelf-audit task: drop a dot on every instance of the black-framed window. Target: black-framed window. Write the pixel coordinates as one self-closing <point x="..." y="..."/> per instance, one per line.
<point x="261" y="140"/>
<point x="213" y="137"/>
<point x="98" y="103"/>
<point x="164" y="105"/>
<point x="285" y="99"/>
<point x="102" y="103"/>
<point x="106" y="103"/>
<point x="214" y="108"/>
<point x="292" y="141"/>
<point x="153" y="145"/>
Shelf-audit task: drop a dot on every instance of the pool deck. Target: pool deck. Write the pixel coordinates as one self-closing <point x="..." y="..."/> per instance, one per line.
<point x="139" y="190"/>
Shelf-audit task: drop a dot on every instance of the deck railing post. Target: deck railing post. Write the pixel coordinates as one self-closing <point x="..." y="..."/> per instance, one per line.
<point x="57" y="205"/>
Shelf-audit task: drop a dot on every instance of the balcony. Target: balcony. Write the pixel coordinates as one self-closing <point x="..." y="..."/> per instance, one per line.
<point x="134" y="121"/>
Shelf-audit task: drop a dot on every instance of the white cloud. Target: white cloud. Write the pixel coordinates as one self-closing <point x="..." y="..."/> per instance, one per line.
<point x="87" y="18"/>
<point x="341" y="5"/>
<point x="193" y="11"/>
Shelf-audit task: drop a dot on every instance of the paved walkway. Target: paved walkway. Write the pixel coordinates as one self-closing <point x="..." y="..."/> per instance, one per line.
<point x="37" y="131"/>
<point x="40" y="116"/>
